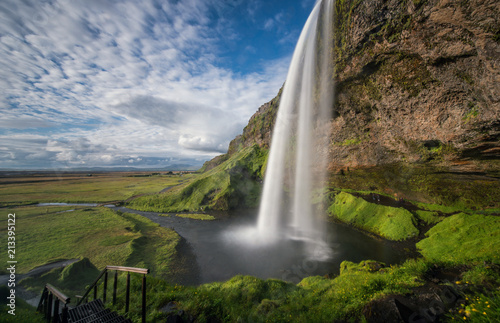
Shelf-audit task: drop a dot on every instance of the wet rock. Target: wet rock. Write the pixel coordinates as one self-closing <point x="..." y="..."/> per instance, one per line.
<point x="424" y="304"/>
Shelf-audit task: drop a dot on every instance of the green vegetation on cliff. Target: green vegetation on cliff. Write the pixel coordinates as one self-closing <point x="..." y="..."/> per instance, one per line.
<point x="233" y="183"/>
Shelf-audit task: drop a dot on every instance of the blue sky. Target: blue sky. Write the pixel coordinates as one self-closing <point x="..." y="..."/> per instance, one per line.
<point x="147" y="83"/>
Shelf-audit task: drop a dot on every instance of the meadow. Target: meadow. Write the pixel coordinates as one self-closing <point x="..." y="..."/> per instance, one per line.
<point x="82" y="188"/>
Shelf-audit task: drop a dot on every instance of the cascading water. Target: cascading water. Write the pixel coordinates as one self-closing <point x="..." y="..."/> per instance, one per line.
<point x="296" y="166"/>
<point x="297" y="159"/>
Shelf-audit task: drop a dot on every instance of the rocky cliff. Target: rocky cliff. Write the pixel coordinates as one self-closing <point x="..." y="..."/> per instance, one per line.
<point x="418" y="86"/>
<point x="415" y="81"/>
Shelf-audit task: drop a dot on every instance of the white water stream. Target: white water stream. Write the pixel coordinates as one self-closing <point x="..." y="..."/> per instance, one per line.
<point x="297" y="160"/>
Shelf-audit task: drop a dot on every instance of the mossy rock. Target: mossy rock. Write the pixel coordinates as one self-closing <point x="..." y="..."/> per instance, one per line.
<point x="77" y="274"/>
<point x="365" y="265"/>
<point x="388" y="222"/>
<point x="463" y="238"/>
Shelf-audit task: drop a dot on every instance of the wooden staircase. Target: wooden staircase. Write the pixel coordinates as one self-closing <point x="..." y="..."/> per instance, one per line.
<point x="90" y="312"/>
<point x="94" y="312"/>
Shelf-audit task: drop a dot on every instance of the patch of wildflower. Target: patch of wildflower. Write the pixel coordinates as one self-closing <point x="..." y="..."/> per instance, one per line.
<point x="479" y="308"/>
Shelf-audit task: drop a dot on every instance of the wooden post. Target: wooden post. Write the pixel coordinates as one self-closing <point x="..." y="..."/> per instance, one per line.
<point x="45" y="304"/>
<point x="105" y="287"/>
<point x="144" y="298"/>
<point x="43" y="300"/>
<point x="64" y="316"/>
<point x="55" y="317"/>
<point x="49" y="308"/>
<point x="115" y="286"/>
<point x="127" y="293"/>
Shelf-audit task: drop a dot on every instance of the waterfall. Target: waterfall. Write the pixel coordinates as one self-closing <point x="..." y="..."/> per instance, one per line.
<point x="297" y="160"/>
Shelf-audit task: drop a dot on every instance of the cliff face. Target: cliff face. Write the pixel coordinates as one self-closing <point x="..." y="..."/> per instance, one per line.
<point x="415" y="81"/>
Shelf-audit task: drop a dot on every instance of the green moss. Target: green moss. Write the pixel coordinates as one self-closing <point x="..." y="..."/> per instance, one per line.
<point x="429" y="217"/>
<point x="463" y="238"/>
<point x="314" y="299"/>
<point x="196" y="216"/>
<point x="431" y="188"/>
<point x="348" y="142"/>
<point x="465" y="77"/>
<point x="388" y="222"/>
<point x="471" y="114"/>
<point x="365" y="265"/>
<point x="407" y="72"/>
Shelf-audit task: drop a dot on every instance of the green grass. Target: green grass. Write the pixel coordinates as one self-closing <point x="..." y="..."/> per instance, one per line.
<point x="107" y="238"/>
<point x="463" y="238"/>
<point x="478" y="307"/>
<point x="71" y="280"/>
<point x="388" y="222"/>
<point x="80" y="188"/>
<point x="196" y="216"/>
<point x="23" y="312"/>
<point x="429" y="217"/>
<point x="315" y="299"/>
<point x="234" y="183"/>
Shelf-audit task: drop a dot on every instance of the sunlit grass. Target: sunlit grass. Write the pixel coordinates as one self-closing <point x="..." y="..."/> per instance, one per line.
<point x="79" y="189"/>
<point x="44" y="235"/>
<point x="389" y="222"/>
<point x="463" y="238"/>
<point x="250" y="299"/>
<point x="196" y="216"/>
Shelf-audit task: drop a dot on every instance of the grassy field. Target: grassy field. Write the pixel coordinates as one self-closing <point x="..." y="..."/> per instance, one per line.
<point x="80" y="188"/>
<point x="100" y="235"/>
<point x="48" y="234"/>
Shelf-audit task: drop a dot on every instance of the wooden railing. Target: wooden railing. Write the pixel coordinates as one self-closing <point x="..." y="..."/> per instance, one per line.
<point x="50" y="307"/>
<point x="104" y="274"/>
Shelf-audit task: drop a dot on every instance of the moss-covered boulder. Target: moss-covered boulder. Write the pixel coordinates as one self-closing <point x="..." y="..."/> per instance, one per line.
<point x="365" y="265"/>
<point x="463" y="238"/>
<point x="389" y="222"/>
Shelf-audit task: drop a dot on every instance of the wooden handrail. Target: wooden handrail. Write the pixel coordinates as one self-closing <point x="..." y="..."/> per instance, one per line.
<point x="129" y="269"/>
<point x="91" y="286"/>
<point x="63" y="298"/>
<point x="50" y="307"/>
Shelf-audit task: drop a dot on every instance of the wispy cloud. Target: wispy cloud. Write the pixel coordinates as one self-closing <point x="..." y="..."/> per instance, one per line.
<point x="102" y="82"/>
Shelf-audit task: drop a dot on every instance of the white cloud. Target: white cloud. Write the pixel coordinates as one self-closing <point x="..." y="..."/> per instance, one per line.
<point x="110" y="80"/>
